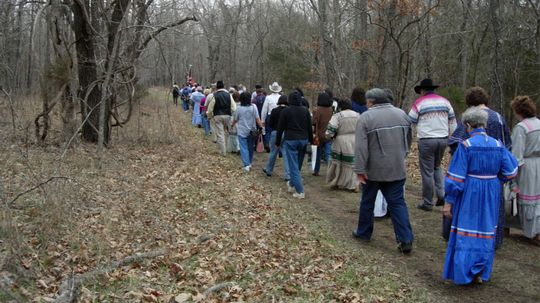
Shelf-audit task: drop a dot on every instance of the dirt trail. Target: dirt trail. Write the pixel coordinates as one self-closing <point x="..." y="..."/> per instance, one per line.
<point x="516" y="272"/>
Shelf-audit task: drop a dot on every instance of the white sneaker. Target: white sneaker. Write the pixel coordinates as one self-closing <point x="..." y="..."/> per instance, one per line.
<point x="247" y="168"/>
<point x="299" y="195"/>
<point x="290" y="188"/>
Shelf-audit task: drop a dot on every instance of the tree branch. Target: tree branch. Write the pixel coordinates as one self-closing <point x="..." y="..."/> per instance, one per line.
<point x="162" y="28"/>
<point x="35" y="187"/>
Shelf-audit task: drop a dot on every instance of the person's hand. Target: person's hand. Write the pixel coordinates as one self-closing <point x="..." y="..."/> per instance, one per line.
<point x="362" y="178"/>
<point x="447" y="210"/>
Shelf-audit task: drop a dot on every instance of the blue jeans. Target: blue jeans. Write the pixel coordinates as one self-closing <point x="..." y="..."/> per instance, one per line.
<point x="206" y="124"/>
<point x="327" y="151"/>
<point x="393" y="193"/>
<point x="321" y="153"/>
<point x="267" y="132"/>
<point x="185" y="104"/>
<point x="246" y="149"/>
<point x="294" y="153"/>
<point x="274" y="150"/>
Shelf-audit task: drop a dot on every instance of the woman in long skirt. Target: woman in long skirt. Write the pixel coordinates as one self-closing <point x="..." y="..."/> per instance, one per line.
<point x="496" y="128"/>
<point x="526" y="138"/>
<point x="342" y="129"/>
<point x="472" y="200"/>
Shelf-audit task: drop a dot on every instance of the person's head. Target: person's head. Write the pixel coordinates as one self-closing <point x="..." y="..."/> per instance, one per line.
<point x="376" y="96"/>
<point x="358" y="96"/>
<point x="175" y="83"/>
<point x="199" y="89"/>
<point x="324" y="100"/>
<point x="283" y="100"/>
<point x="425" y="86"/>
<point x="258" y="86"/>
<point x="389" y="94"/>
<point x="259" y="91"/>
<point x="245" y="99"/>
<point x="220" y="84"/>
<point x="523" y="107"/>
<point x="236" y="96"/>
<point x="474" y="117"/>
<point x="207" y="92"/>
<point x="329" y="92"/>
<point x="475" y="96"/>
<point x="344" y="104"/>
<point x="295" y="98"/>
<point x="299" y="90"/>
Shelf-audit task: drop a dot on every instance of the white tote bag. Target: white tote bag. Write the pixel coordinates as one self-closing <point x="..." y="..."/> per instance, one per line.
<point x="380" y="205"/>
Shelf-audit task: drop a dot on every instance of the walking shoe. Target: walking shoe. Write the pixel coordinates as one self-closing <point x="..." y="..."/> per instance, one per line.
<point x="290" y="188"/>
<point x="247" y="168"/>
<point x="424" y="207"/>
<point x="316" y="173"/>
<point x="405" y="248"/>
<point x="267" y="174"/>
<point x="357" y="236"/>
<point x="299" y="195"/>
<point x="440" y="202"/>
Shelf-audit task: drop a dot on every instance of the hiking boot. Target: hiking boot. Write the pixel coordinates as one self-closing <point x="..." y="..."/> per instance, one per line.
<point x="299" y="195"/>
<point x="424" y="207"/>
<point x="357" y="236"/>
<point x="405" y="248"/>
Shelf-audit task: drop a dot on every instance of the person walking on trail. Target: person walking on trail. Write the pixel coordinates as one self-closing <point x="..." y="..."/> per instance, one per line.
<point x="204" y="117"/>
<point x="246" y="119"/>
<point x="295" y="127"/>
<point x="175" y="93"/>
<point x="196" y="98"/>
<point x="434" y="118"/>
<point x="497" y="128"/>
<point x="342" y="129"/>
<point x="383" y="140"/>
<point x="321" y="116"/>
<point x="220" y="108"/>
<point x="472" y="200"/>
<point x="186" y="92"/>
<point x="526" y="138"/>
<point x="270" y="102"/>
<point x="274" y="150"/>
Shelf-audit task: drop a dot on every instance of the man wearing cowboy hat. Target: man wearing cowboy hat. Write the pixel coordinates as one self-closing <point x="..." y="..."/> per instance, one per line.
<point x="434" y="118"/>
<point x="270" y="102"/>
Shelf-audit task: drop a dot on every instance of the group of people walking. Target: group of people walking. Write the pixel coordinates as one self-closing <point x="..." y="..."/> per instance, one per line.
<point x="366" y="140"/>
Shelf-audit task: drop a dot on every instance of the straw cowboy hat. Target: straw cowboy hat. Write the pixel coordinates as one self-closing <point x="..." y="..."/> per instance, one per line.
<point x="275" y="87"/>
<point x="425" y="84"/>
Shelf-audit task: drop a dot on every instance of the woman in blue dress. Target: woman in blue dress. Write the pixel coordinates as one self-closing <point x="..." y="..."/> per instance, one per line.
<point x="472" y="200"/>
<point x="496" y="128"/>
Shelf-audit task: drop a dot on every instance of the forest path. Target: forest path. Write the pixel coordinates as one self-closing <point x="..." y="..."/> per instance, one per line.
<point x="517" y="264"/>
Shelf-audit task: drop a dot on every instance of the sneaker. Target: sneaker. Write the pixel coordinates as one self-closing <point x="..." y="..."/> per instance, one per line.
<point x="247" y="168"/>
<point x="405" y="248"/>
<point x="299" y="195"/>
<point x="424" y="207"/>
<point x="290" y="188"/>
<point x="266" y="172"/>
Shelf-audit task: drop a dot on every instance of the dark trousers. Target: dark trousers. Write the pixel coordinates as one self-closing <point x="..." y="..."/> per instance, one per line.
<point x="393" y="193"/>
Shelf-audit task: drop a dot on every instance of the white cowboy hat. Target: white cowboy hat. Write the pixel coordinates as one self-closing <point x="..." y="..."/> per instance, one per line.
<point x="275" y="87"/>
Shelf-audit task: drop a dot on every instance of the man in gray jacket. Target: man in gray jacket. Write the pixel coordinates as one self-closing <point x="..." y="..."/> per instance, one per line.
<point x="383" y="139"/>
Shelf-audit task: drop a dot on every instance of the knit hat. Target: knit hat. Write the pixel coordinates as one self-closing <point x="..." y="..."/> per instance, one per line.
<point x="220" y="84"/>
<point x="295" y="98"/>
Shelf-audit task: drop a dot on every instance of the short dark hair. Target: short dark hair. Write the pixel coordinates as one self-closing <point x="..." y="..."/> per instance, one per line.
<point x="475" y="96"/>
<point x="358" y="96"/>
<point x="324" y="100"/>
<point x="524" y="106"/>
<point x="220" y="84"/>
<point x="245" y="99"/>
<point x="283" y="99"/>
<point x="344" y="104"/>
<point x="236" y="96"/>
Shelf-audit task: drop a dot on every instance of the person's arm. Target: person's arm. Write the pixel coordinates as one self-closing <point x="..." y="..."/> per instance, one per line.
<point x="309" y="127"/>
<point x="264" y="111"/>
<point x="281" y="126"/>
<point x="519" y="136"/>
<point x="413" y="114"/>
<point x="452" y="122"/>
<point x="210" y="108"/>
<point x="361" y="151"/>
<point x="233" y="105"/>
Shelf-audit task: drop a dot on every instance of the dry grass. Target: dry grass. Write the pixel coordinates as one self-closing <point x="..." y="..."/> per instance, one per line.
<point x="163" y="186"/>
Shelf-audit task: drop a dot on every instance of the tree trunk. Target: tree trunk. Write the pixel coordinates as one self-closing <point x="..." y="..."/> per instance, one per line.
<point x="497" y="76"/>
<point x="89" y="90"/>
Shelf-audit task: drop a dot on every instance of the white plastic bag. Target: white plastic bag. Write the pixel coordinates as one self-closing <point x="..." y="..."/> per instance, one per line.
<point x="380" y="205"/>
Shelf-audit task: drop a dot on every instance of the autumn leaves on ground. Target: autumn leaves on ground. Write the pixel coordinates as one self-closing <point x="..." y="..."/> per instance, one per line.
<point x="168" y="220"/>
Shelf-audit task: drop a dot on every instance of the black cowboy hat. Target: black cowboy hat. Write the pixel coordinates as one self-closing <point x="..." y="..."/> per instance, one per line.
<point x="425" y="84"/>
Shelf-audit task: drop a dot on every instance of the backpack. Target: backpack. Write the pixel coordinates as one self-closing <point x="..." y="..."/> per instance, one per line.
<point x="175" y="91"/>
<point x="259" y="102"/>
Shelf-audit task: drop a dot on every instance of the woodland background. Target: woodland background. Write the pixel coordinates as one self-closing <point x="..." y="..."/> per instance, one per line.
<point x="79" y="54"/>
